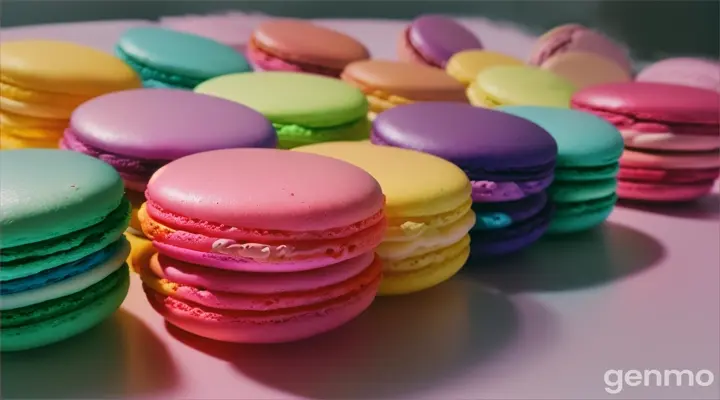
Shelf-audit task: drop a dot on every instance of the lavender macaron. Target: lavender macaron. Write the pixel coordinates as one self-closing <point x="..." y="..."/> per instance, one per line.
<point x="139" y="131"/>
<point x="433" y="39"/>
<point x="510" y="162"/>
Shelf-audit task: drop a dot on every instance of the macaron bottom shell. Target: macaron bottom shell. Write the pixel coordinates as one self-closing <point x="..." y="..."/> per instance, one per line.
<point x="663" y="192"/>
<point x="64" y="317"/>
<point x="497" y="242"/>
<point x="581" y="216"/>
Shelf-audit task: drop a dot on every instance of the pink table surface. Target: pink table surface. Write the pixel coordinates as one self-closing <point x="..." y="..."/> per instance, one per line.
<point x="640" y="292"/>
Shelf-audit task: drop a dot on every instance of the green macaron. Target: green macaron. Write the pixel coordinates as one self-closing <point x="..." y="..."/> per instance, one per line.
<point x="304" y="108"/>
<point x="589" y="149"/>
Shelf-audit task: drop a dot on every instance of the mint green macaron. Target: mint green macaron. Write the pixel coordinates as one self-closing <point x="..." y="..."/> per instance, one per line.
<point x="304" y="108"/>
<point x="589" y="149"/>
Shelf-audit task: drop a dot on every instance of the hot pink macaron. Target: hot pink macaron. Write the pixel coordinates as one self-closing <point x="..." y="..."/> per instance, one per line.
<point x="261" y="245"/>
<point x="695" y="72"/>
<point x="671" y="133"/>
<point x="433" y="39"/>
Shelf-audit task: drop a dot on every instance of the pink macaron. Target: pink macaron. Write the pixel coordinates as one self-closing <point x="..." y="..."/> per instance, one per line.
<point x="433" y="39"/>
<point x="671" y="134"/>
<point x="261" y="245"/>
<point x="696" y="72"/>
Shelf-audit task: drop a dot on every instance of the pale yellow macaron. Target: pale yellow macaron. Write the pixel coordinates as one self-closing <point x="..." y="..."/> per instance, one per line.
<point x="520" y="86"/>
<point x="43" y="81"/>
<point x="428" y="206"/>
<point x="586" y="69"/>
<point x="466" y="65"/>
<point x="141" y="250"/>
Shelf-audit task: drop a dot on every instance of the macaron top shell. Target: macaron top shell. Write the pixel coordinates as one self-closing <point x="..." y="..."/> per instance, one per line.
<point x="309" y="43"/>
<point x="292" y="98"/>
<point x="181" y="53"/>
<point x="63" y="67"/>
<point x="523" y="85"/>
<point x="582" y="138"/>
<point x="438" y="38"/>
<point x="466" y="65"/>
<point x="47" y="193"/>
<point x="144" y="123"/>
<point x="688" y="71"/>
<point x="466" y="135"/>
<point x="409" y="80"/>
<point x="266" y="189"/>
<point x="650" y="101"/>
<point x="440" y="186"/>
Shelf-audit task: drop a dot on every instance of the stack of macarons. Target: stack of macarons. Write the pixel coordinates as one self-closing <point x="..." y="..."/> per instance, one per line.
<point x="138" y="131"/>
<point x="583" y="190"/>
<point x="42" y="82"/>
<point x="671" y="134"/>
<point x="391" y="83"/>
<point x="299" y="46"/>
<point x="166" y="58"/>
<point x="432" y="40"/>
<point x="509" y="160"/>
<point x="261" y="245"/>
<point x="428" y="207"/>
<point x="304" y="108"/>
<point x="584" y="56"/>
<point x="62" y="246"/>
<point x="688" y="71"/>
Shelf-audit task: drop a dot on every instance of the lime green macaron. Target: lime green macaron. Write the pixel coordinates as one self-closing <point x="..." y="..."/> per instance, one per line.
<point x="519" y="85"/>
<point x="304" y="108"/>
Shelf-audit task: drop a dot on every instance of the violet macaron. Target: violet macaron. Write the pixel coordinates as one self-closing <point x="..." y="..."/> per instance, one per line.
<point x="139" y="131"/>
<point x="510" y="162"/>
<point x="687" y="71"/>
<point x="433" y="39"/>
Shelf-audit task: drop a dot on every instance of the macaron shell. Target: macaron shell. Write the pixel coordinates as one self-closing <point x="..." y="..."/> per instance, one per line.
<point x="650" y="101"/>
<point x="695" y="72"/>
<point x="646" y="191"/>
<point x="586" y="69"/>
<point x="292" y="98"/>
<point x="695" y="160"/>
<point x="63" y="67"/>
<point x="523" y="85"/>
<point x="466" y="65"/>
<point x="666" y="141"/>
<point x="408" y="80"/>
<point x="295" y="201"/>
<point x="576" y="217"/>
<point x="70" y="192"/>
<point x="306" y="42"/>
<point x="570" y="192"/>
<point x="181" y="53"/>
<point x="438" y="38"/>
<point x="668" y="175"/>
<point x="140" y="123"/>
<point x="11" y="142"/>
<point x="497" y="242"/>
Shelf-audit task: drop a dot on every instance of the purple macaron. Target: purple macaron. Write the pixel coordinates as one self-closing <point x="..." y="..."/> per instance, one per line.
<point x="433" y="39"/>
<point x="510" y="162"/>
<point x="139" y="131"/>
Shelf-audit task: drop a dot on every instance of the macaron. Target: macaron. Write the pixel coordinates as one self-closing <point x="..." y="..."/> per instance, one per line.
<point x="466" y="65"/>
<point x="429" y="218"/>
<point x="583" y="191"/>
<point x="671" y="134"/>
<point x="507" y="159"/>
<point x="301" y="46"/>
<point x="42" y="81"/>
<point x="390" y="83"/>
<point x="62" y="246"/>
<point x="241" y="260"/>
<point x="304" y="108"/>
<point x="433" y="39"/>
<point x="519" y="85"/>
<point x="695" y="72"/>
<point x="165" y="58"/>
<point x="577" y="38"/>
<point x="586" y="69"/>
<point x="138" y="131"/>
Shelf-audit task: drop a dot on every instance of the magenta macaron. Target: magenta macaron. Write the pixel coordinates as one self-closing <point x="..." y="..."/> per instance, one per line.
<point x="433" y="39"/>
<point x="139" y="131"/>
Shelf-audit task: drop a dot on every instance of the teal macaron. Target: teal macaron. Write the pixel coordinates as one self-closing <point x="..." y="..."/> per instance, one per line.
<point x="589" y="148"/>
<point x="62" y="247"/>
<point x="171" y="59"/>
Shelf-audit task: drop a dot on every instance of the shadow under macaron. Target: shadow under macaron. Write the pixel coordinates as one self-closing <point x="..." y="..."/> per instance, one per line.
<point x="706" y="208"/>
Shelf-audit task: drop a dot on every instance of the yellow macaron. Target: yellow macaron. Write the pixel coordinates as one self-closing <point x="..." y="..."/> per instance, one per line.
<point x="141" y="250"/>
<point x="466" y="65"/>
<point x="519" y="85"/>
<point x="43" y="81"/>
<point x="428" y="206"/>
